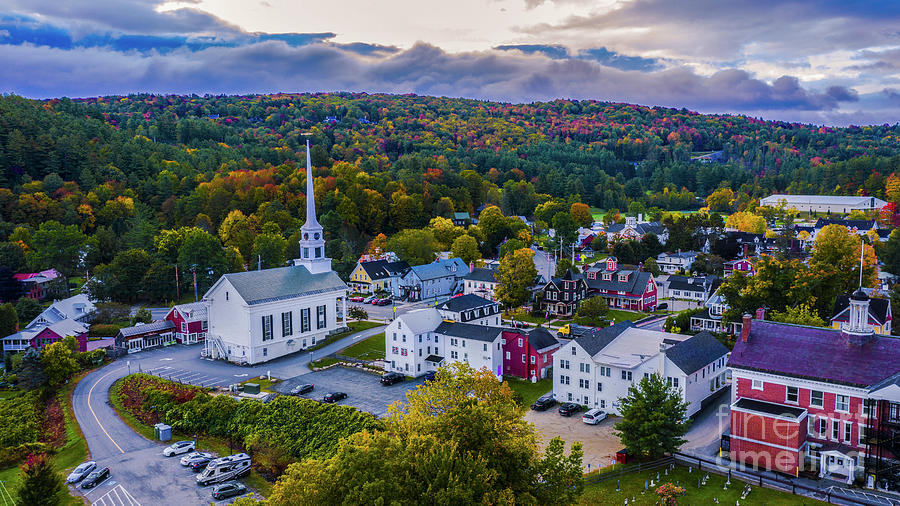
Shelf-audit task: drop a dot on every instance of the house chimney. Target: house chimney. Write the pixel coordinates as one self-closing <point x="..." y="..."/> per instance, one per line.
<point x="745" y="327"/>
<point x="761" y="313"/>
<point x="746" y="249"/>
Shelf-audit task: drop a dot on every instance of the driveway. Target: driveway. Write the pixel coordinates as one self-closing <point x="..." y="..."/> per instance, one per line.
<point x="708" y="426"/>
<point x="364" y="390"/>
<point x="140" y="474"/>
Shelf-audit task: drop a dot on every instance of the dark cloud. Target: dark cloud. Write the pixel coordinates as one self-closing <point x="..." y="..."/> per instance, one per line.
<point x="271" y="66"/>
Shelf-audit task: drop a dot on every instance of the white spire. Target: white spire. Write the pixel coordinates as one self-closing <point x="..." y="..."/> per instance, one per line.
<point x="312" y="237"/>
<point x="310" y="193"/>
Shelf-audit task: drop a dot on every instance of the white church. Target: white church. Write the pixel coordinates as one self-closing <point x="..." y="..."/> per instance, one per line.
<point x="257" y="316"/>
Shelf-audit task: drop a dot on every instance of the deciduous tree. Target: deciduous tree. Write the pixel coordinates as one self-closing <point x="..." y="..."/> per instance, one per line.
<point x="58" y="363"/>
<point x="516" y="274"/>
<point x="653" y="418"/>
<point x="465" y="247"/>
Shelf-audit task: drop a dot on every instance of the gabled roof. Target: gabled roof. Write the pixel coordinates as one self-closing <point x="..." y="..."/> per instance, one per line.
<point x="542" y="339"/>
<point x="816" y="353"/>
<point x="597" y="339"/>
<point x="694" y="283"/>
<point x="73" y="307"/>
<point x="461" y="216"/>
<point x="878" y="309"/>
<point x="67" y="327"/>
<point x="160" y="326"/>
<point x="469" y="331"/>
<point x="679" y="254"/>
<point x="857" y="224"/>
<point x="421" y="320"/>
<point x="635" y="284"/>
<point x="196" y="310"/>
<point x="465" y="303"/>
<point x="696" y="352"/>
<point x="381" y="269"/>
<point x="441" y="268"/>
<point x="482" y="274"/>
<point x="257" y="287"/>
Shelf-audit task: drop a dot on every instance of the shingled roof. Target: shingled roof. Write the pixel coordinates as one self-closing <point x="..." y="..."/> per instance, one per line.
<point x="694" y="353"/>
<point x="468" y="331"/>
<point x="483" y="275"/>
<point x="541" y="339"/>
<point x="465" y="303"/>
<point x="816" y="353"/>
<point x="381" y="269"/>
<point x="257" y="287"/>
<point x="635" y="284"/>
<point x="597" y="339"/>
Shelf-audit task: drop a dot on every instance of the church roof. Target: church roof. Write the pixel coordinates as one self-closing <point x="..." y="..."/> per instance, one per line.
<point x="257" y="287"/>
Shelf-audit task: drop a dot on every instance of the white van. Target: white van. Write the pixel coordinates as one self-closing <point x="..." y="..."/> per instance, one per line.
<point x="224" y="469"/>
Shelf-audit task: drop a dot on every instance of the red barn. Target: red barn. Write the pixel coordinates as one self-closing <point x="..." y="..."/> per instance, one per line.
<point x="190" y="321"/>
<point x="528" y="355"/>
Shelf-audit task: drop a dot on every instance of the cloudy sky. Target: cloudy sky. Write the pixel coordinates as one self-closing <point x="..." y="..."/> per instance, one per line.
<point x="820" y="61"/>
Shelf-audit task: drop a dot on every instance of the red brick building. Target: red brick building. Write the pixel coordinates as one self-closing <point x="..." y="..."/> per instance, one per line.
<point x="528" y="355"/>
<point x="815" y="398"/>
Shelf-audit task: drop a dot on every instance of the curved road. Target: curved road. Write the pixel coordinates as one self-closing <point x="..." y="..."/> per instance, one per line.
<point x="139" y="472"/>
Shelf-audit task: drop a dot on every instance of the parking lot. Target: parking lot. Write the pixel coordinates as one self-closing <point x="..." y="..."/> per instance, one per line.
<point x="600" y="445"/>
<point x="202" y="379"/>
<point x="364" y="390"/>
<point x="148" y="474"/>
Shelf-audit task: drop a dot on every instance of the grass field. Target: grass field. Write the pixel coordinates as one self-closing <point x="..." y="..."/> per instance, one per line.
<point x="325" y="362"/>
<point x="204" y="443"/>
<point x="528" y="390"/>
<point x="618" y="315"/>
<point x="523" y="316"/>
<point x="265" y="385"/>
<point x="632" y="485"/>
<point x="354" y="327"/>
<point x="367" y="349"/>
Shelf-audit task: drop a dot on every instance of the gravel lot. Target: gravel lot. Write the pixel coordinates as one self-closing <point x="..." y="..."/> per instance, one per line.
<point x="600" y="446"/>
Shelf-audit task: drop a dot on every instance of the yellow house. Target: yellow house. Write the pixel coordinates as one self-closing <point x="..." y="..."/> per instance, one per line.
<point x="377" y="276"/>
<point x="880" y="317"/>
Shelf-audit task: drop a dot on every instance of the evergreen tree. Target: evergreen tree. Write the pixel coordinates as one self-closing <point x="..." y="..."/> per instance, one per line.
<point x="653" y="420"/>
<point x="28" y="309"/>
<point x="40" y="484"/>
<point x="31" y="370"/>
<point x="9" y="320"/>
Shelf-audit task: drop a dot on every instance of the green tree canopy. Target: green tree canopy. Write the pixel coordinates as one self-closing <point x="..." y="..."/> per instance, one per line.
<point x="516" y="275"/>
<point x="465" y="247"/>
<point x="416" y="246"/>
<point x="653" y="418"/>
<point x="40" y="483"/>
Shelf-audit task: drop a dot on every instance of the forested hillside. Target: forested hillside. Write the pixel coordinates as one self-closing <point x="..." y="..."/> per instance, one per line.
<point x="158" y="178"/>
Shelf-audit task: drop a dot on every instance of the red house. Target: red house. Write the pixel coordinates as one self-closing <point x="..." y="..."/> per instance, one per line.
<point x="622" y="288"/>
<point x="740" y="265"/>
<point x="59" y="331"/>
<point x="190" y="321"/>
<point x="528" y="355"/>
<point x="812" y="398"/>
<point x="37" y="283"/>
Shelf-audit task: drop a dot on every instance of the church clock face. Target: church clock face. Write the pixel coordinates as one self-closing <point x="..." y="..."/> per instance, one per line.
<point x="316" y="236"/>
<point x="305" y="237"/>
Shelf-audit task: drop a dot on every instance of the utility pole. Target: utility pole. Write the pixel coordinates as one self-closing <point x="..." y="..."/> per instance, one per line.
<point x="194" y="270"/>
<point x="259" y="262"/>
<point x="177" y="288"/>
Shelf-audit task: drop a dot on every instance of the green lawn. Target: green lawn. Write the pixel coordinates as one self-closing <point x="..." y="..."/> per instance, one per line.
<point x="633" y="484"/>
<point x="528" y="390"/>
<point x="619" y="315"/>
<point x="325" y="362"/>
<point x="354" y="328"/>
<point x="523" y="316"/>
<point x="367" y="349"/>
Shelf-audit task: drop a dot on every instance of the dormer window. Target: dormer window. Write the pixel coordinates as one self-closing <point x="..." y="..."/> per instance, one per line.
<point x="607" y="277"/>
<point x="623" y="277"/>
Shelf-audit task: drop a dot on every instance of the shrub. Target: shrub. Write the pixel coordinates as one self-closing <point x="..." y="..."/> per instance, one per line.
<point x="103" y="330"/>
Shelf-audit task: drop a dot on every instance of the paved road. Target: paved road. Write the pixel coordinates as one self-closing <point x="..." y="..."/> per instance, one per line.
<point x="708" y="426"/>
<point x="364" y="389"/>
<point x="139" y="472"/>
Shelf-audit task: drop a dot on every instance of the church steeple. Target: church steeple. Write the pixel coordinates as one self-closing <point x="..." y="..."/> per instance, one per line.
<point x="857" y="328"/>
<point x="312" y="239"/>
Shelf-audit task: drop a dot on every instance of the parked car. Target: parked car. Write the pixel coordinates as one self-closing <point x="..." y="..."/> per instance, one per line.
<point x="226" y="490"/>
<point x="593" y="416"/>
<point x="356" y="298"/>
<point x="190" y="457"/>
<point x="178" y="448"/>
<point x="391" y="378"/>
<point x="569" y="408"/>
<point x="543" y="403"/>
<point x="382" y="302"/>
<point x="95" y="478"/>
<point x="334" y="397"/>
<point x="518" y="325"/>
<point x="198" y="465"/>
<point x="81" y="471"/>
<point x="369" y="299"/>
<point x="430" y="375"/>
<point x="302" y="389"/>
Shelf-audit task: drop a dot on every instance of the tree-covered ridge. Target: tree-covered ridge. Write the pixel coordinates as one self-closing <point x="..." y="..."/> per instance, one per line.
<point x="165" y="180"/>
